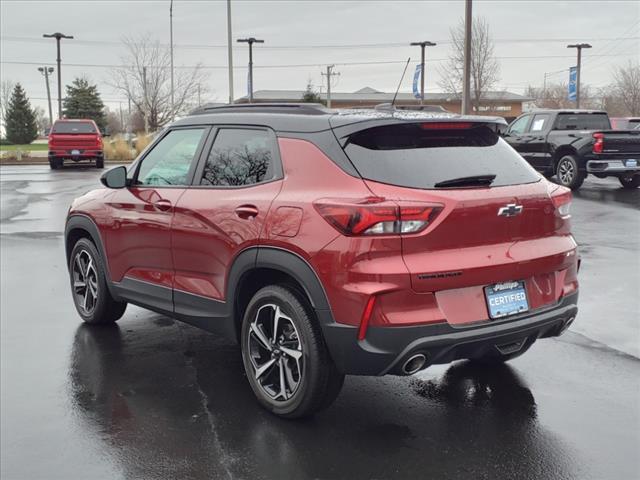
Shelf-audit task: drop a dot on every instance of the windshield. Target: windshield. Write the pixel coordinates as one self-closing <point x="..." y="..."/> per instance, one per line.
<point x="583" y="121"/>
<point x="414" y="156"/>
<point x="73" y="127"/>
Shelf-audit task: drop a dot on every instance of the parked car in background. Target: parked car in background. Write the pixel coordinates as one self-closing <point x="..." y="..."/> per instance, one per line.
<point x="75" y="140"/>
<point x="625" y="123"/>
<point x="571" y="144"/>
<point x="326" y="244"/>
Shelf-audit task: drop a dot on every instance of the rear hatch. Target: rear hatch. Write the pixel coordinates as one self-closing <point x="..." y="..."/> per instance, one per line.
<point x="73" y="135"/>
<point x="496" y="221"/>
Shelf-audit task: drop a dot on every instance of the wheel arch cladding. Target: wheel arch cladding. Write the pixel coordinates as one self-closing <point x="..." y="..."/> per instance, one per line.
<point x="81" y="226"/>
<point x="257" y="267"/>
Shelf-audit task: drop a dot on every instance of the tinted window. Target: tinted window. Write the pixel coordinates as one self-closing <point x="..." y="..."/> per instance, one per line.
<point x="520" y="125"/>
<point x="583" y="121"/>
<point x="169" y="161"/>
<point x="239" y="157"/>
<point x="540" y="122"/>
<point x="409" y="156"/>
<point x="73" y="127"/>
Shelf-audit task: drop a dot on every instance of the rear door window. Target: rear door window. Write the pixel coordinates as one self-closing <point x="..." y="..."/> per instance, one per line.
<point x="539" y="123"/>
<point x="582" y="121"/>
<point x="409" y="155"/>
<point x="240" y="157"/>
<point x="73" y="127"/>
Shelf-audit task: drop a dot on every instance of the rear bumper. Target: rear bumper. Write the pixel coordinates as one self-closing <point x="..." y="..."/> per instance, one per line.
<point x="612" y="166"/>
<point x="83" y="155"/>
<point x="386" y="349"/>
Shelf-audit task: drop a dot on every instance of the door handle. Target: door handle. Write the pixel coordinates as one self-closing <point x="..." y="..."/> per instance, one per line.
<point x="162" y="205"/>
<point x="247" y="211"/>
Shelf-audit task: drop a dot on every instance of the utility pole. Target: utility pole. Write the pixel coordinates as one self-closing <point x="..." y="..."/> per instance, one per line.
<point x="466" y="82"/>
<point x="579" y="47"/>
<point x="329" y="74"/>
<point x="146" y="103"/>
<point x="422" y="45"/>
<point x="173" y="112"/>
<point x="199" y="102"/>
<point x="46" y="71"/>
<point x="230" y="52"/>
<point x="250" y="41"/>
<point x="58" y="36"/>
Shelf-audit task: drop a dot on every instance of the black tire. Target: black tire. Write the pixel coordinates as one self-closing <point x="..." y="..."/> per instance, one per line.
<point x="55" y="163"/>
<point x="98" y="308"/>
<point x="100" y="162"/>
<point x="568" y="174"/>
<point x="633" y="182"/>
<point x="319" y="381"/>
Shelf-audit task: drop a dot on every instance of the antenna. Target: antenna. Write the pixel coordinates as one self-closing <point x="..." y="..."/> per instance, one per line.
<point x="401" y="78"/>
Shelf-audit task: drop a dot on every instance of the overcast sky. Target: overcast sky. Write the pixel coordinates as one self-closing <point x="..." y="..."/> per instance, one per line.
<point x="530" y="39"/>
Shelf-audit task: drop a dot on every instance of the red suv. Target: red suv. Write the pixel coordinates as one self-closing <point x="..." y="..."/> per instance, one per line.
<point x="76" y="140"/>
<point x="326" y="243"/>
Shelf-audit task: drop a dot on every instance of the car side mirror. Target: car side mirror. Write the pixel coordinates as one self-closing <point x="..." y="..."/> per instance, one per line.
<point x="115" y="178"/>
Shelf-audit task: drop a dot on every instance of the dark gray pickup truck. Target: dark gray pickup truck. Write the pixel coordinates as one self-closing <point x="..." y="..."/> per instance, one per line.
<point x="572" y="144"/>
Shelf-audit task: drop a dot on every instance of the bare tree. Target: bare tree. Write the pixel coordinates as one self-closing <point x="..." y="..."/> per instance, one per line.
<point x="149" y="61"/>
<point x="627" y="87"/>
<point x="485" y="69"/>
<point x="6" y="88"/>
<point x="556" y="95"/>
<point x="42" y="119"/>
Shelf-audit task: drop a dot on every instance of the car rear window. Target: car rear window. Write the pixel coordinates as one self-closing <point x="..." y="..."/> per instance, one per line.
<point x="583" y="121"/>
<point x="411" y="156"/>
<point x="73" y="127"/>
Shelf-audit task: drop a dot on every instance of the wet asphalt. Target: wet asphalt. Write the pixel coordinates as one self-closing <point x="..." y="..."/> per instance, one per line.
<point x="153" y="398"/>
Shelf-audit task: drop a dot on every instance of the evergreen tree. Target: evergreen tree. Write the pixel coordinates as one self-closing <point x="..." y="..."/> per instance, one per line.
<point x="83" y="101"/>
<point x="20" y="123"/>
<point x="311" y="96"/>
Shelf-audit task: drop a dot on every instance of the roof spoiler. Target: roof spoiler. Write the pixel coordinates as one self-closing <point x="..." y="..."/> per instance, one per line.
<point x="417" y="108"/>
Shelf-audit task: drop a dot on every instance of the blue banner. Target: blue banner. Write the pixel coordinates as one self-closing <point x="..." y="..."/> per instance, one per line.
<point x="416" y="77"/>
<point x="573" y="80"/>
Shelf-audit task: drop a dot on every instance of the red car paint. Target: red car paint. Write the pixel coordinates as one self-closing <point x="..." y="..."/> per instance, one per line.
<point x="187" y="238"/>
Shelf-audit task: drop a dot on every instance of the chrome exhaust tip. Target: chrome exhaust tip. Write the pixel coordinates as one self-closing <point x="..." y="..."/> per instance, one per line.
<point x="414" y="363"/>
<point x="566" y="325"/>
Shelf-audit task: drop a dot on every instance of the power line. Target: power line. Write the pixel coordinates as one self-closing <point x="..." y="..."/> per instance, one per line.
<point x="295" y="65"/>
<point x="318" y="46"/>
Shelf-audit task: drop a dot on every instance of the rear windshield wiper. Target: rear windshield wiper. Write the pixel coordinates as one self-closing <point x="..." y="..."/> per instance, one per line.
<point x="470" y="181"/>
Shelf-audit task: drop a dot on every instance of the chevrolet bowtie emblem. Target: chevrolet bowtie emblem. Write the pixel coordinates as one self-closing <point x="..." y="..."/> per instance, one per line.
<point x="510" y="210"/>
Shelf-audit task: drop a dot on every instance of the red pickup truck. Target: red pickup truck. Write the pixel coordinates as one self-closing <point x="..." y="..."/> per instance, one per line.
<point x="77" y="140"/>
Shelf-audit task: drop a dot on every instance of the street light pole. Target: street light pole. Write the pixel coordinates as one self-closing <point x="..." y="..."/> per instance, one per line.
<point x="230" y="51"/>
<point x="579" y="47"/>
<point x="46" y="71"/>
<point x="173" y="113"/>
<point x="58" y="36"/>
<point x="466" y="82"/>
<point x="250" y="41"/>
<point x="422" y="45"/>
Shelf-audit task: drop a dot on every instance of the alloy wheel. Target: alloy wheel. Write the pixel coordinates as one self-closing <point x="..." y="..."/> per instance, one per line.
<point x="85" y="282"/>
<point x="566" y="172"/>
<point x="275" y="352"/>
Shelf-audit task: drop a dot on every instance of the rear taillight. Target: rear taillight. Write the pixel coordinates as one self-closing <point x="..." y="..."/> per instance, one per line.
<point x="561" y="198"/>
<point x="99" y="142"/>
<point x="598" y="142"/>
<point x="376" y="216"/>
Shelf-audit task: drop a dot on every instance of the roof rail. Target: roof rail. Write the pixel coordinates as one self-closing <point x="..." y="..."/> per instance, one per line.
<point x="294" y="108"/>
